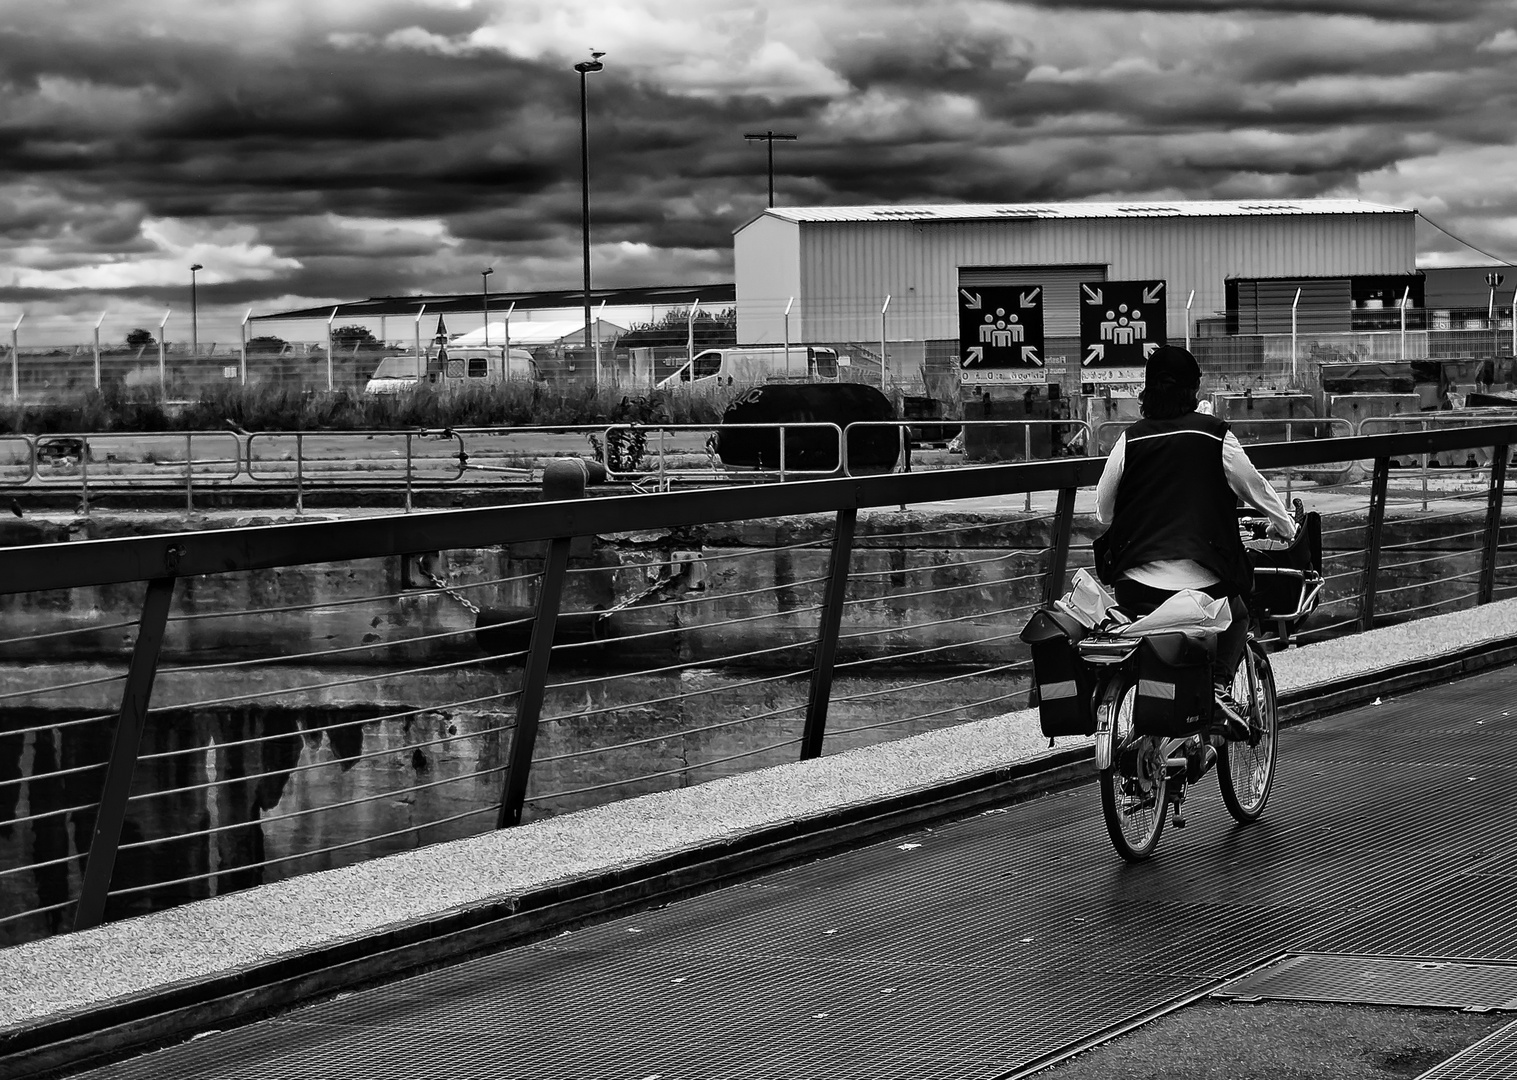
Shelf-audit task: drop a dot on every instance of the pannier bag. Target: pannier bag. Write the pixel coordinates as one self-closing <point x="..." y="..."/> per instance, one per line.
<point x="1174" y="691"/>
<point x="1064" y="681"/>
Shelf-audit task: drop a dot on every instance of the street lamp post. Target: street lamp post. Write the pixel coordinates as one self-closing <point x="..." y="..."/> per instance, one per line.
<point x="1493" y="279"/>
<point x="194" y="324"/>
<point x="584" y="68"/>
<point x="769" y="137"/>
<point x="484" y="296"/>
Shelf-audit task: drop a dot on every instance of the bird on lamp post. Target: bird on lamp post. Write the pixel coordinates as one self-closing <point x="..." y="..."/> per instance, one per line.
<point x="194" y="327"/>
<point x="484" y="293"/>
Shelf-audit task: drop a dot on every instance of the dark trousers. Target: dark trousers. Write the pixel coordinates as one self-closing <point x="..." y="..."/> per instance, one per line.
<point x="1140" y="599"/>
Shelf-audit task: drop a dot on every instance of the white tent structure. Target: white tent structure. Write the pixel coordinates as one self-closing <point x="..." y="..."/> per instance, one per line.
<point x="526" y="333"/>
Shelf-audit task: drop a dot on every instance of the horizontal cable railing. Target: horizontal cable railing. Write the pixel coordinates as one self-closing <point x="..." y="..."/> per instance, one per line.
<point x="341" y="690"/>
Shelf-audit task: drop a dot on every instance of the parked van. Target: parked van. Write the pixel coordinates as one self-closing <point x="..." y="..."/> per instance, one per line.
<point x="748" y="365"/>
<point x="456" y="369"/>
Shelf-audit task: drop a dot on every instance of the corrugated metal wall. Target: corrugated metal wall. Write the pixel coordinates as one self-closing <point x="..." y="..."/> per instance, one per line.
<point x="847" y="269"/>
<point x="768" y="250"/>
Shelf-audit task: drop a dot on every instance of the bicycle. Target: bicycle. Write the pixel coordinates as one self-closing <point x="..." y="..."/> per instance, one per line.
<point x="1143" y="776"/>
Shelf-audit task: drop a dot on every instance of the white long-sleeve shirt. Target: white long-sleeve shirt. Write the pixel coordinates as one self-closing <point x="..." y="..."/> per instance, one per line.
<point x="1246" y="482"/>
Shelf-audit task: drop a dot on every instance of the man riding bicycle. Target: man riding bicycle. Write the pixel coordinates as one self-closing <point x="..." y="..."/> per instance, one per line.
<point x="1169" y="496"/>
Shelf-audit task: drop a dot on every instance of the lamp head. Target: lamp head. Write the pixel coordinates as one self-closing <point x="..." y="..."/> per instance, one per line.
<point x="195" y="266"/>
<point x="487" y="271"/>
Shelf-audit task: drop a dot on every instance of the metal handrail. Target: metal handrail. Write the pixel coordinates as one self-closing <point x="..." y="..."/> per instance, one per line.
<point x="1289" y="427"/>
<point x="261" y="547"/>
<point x="257" y="471"/>
<point x="664" y="474"/>
<point x="162" y="560"/>
<point x="903" y="428"/>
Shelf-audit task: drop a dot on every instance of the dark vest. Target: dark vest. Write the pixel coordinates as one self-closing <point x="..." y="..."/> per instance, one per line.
<point x="1174" y="502"/>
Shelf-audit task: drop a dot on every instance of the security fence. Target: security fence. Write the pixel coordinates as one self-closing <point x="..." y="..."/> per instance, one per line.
<point x="886" y="352"/>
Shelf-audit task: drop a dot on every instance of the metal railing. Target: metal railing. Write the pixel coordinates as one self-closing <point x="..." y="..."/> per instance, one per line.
<point x="648" y="456"/>
<point x="807" y="449"/>
<point x="181" y="715"/>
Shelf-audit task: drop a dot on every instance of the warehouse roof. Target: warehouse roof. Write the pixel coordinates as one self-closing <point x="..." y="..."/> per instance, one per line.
<point x="446" y="304"/>
<point x="1069" y="210"/>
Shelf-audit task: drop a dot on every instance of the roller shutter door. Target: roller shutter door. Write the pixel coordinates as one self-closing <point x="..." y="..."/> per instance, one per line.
<point x="1061" y="290"/>
<point x="1264" y="307"/>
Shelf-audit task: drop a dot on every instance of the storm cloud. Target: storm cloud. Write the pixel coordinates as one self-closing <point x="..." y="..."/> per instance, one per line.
<point x="307" y="152"/>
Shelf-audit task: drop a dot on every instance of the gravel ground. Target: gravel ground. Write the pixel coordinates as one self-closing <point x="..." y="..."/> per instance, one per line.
<point x="73" y="971"/>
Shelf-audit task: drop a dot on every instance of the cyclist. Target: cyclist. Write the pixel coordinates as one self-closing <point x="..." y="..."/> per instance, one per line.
<point x="1169" y="496"/>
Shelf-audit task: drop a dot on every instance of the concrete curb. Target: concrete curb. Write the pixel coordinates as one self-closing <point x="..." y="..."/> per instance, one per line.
<point x="168" y="1014"/>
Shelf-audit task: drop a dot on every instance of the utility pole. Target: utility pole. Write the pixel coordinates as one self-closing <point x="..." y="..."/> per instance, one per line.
<point x="769" y="137"/>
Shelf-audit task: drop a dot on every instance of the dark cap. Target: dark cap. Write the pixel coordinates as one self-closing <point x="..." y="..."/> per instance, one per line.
<point x="1173" y="365"/>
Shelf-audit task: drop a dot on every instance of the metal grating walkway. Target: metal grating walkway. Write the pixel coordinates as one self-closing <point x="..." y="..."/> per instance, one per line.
<point x="977" y="949"/>
<point x="1492" y="1058"/>
<point x="1381" y="980"/>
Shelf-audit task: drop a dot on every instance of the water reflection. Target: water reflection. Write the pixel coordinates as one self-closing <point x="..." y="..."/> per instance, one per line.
<point x="268" y="792"/>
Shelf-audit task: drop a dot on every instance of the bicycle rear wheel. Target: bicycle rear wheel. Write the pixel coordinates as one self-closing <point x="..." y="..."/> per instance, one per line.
<point x="1246" y="768"/>
<point x="1133" y="787"/>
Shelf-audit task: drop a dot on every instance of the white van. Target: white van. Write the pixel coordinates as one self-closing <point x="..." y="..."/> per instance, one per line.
<point x="460" y="368"/>
<point x="746" y="365"/>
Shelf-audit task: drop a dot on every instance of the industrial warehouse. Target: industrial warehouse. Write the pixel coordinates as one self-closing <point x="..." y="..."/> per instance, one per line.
<point x="1259" y="290"/>
<point x="1293" y="307"/>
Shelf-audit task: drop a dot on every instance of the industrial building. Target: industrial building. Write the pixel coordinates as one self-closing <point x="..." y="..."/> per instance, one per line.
<point x="897" y="279"/>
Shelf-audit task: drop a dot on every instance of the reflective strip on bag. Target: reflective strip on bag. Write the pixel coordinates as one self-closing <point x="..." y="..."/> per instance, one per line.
<point x="1155" y="689"/>
<point x="1055" y="690"/>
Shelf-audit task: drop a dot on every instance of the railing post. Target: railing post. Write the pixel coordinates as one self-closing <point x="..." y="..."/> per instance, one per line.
<point x="827" y="634"/>
<point x="529" y="702"/>
<point x="84" y="474"/>
<point x="1372" y="543"/>
<point x="1058" y="550"/>
<point x="408" y="472"/>
<point x="1027" y="456"/>
<point x="118" y="771"/>
<point x="1492" y="526"/>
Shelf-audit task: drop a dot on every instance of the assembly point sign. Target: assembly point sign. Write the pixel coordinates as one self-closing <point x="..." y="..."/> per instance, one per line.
<point x="1121" y="323"/>
<point x="1001" y="334"/>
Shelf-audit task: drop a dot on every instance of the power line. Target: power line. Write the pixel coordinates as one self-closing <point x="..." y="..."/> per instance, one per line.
<point x="1459" y="240"/>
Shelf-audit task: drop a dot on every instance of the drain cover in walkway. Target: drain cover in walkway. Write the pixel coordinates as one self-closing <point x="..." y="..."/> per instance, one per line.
<point x="1378" y="980"/>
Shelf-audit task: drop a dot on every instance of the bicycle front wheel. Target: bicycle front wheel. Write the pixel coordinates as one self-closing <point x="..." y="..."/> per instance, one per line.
<point x="1133" y="787"/>
<point x="1246" y="768"/>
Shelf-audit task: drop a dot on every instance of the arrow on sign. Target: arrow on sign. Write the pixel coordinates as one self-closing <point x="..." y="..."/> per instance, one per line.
<point x="976" y="355"/>
<point x="1097" y="352"/>
<point x="1148" y="348"/>
<point x="971" y="303"/>
<point x="1151" y="295"/>
<point x="1030" y="355"/>
<point x="1030" y="299"/>
<point x="1093" y="295"/>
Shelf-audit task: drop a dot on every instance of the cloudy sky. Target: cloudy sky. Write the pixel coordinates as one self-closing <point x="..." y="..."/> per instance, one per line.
<point x="306" y="151"/>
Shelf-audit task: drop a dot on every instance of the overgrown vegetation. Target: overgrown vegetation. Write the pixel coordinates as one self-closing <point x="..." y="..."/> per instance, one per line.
<point x="274" y="408"/>
<point x="711" y="330"/>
